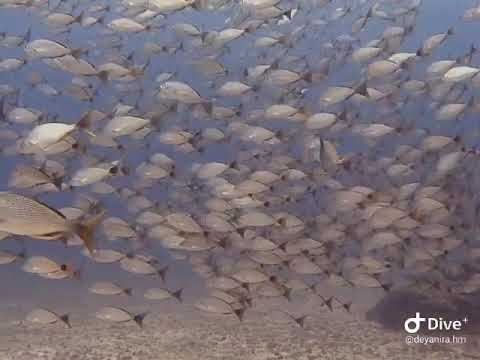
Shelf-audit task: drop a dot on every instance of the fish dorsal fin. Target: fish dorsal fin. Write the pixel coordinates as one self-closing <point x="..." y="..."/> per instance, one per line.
<point x="50" y="208"/>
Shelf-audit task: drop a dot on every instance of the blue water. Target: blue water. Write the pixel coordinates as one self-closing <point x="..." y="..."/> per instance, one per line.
<point x="26" y="290"/>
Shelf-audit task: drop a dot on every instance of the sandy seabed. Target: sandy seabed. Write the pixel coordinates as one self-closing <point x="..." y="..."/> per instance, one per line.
<point x="185" y="336"/>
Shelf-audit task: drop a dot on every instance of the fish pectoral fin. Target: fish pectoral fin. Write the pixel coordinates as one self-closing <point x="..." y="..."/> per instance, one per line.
<point x="55" y="234"/>
<point x="50" y="236"/>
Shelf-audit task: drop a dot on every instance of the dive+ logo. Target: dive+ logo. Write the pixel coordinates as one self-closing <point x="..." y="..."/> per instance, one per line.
<point x="412" y="325"/>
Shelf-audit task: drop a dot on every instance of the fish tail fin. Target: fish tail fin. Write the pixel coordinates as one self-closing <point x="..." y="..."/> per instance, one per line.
<point x="386" y="287"/>
<point x="284" y="39"/>
<point x="58" y="182"/>
<point x="178" y="295"/>
<point x="405" y="65"/>
<point x="362" y="89"/>
<point x="22" y="254"/>
<point x="181" y="47"/>
<point x="283" y="246"/>
<point x="369" y="13"/>
<point x="450" y="31"/>
<point x="139" y="318"/>
<point x="103" y="76"/>
<point x="84" y="122"/>
<point x="163" y="273"/>
<point x="301" y="320"/>
<point x="86" y="228"/>
<point x="223" y="243"/>
<point x="343" y="115"/>
<point x="27" y="36"/>
<point x="246" y="302"/>
<point x="196" y="5"/>
<point x="79" y="17"/>
<point x="288" y="14"/>
<point x="239" y="313"/>
<point x="127" y="291"/>
<point x="329" y="303"/>
<point x="3" y="110"/>
<point x="308" y="77"/>
<point x="66" y="320"/>
<point x="471" y="101"/>
<point x="144" y="67"/>
<point x="347" y="306"/>
<point x="77" y="52"/>
<point x="208" y="107"/>
<point x="275" y="65"/>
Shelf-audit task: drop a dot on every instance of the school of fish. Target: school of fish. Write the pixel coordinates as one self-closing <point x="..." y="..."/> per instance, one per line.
<point x="226" y="134"/>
